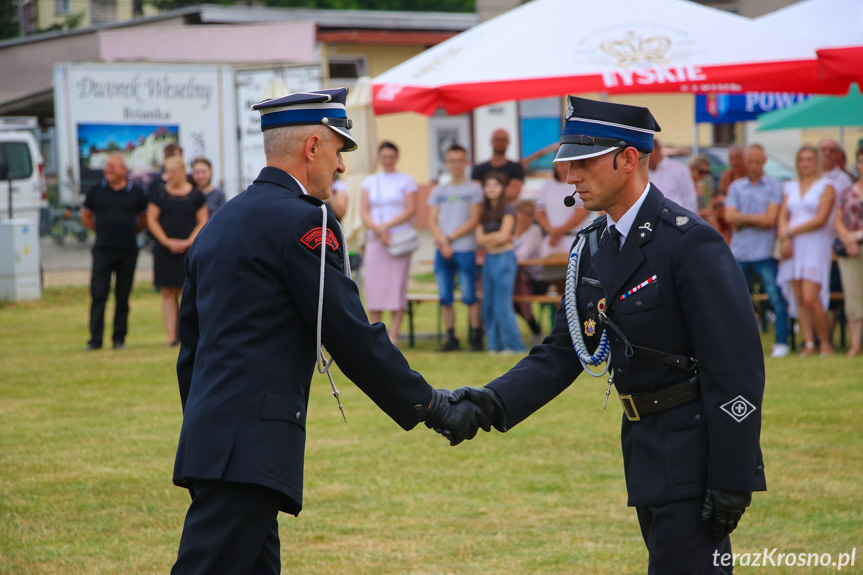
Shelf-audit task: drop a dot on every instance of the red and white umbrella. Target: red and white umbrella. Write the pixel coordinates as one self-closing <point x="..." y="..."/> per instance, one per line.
<point x="554" y="47"/>
<point x="842" y="64"/>
<point x="837" y="26"/>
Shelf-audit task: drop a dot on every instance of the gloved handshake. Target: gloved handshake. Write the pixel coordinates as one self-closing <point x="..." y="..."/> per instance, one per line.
<point x="460" y="414"/>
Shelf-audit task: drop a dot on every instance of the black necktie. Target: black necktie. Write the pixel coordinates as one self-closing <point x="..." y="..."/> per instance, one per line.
<point x="614" y="238"/>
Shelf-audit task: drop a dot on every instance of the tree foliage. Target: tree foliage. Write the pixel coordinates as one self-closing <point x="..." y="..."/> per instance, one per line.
<point x="8" y="20"/>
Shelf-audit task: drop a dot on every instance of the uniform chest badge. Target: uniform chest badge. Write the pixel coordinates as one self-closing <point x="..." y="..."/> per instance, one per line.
<point x="312" y="239"/>
<point x="589" y="327"/>
<point x="600" y="306"/>
<point x="682" y="220"/>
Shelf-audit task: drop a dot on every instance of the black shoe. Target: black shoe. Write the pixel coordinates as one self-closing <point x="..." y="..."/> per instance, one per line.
<point x="452" y="344"/>
<point x="119" y="345"/>
<point x="476" y="340"/>
<point x="93" y="347"/>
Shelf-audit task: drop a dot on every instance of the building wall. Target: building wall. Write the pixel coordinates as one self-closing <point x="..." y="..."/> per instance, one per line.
<point x="488" y="9"/>
<point x="32" y="63"/>
<point x="749" y="8"/>
<point x="755" y="8"/>
<point x="106" y="11"/>
<point x="408" y="131"/>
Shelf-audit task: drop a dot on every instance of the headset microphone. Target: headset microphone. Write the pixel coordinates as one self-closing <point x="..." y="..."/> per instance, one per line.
<point x="569" y="200"/>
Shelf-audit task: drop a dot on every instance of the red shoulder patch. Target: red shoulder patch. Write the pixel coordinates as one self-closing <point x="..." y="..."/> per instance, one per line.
<point x="312" y="239"/>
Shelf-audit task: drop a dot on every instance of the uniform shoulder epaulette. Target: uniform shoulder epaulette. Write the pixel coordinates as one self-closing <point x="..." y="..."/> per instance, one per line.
<point x="677" y="217"/>
<point x="597" y="222"/>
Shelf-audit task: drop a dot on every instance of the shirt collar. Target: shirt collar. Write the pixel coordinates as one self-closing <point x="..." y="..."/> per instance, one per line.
<point x="302" y="188"/>
<point x="627" y="219"/>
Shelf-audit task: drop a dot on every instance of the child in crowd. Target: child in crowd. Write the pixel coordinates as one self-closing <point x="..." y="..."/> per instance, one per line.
<point x="454" y="211"/>
<point x="494" y="235"/>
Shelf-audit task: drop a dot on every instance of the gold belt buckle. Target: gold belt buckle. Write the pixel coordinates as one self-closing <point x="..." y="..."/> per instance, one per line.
<point x="629" y="408"/>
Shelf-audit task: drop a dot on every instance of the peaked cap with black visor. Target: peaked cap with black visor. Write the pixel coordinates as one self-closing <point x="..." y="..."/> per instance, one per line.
<point x="593" y="128"/>
<point x="321" y="107"/>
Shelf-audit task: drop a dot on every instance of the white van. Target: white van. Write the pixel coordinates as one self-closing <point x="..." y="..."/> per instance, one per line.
<point x="20" y="158"/>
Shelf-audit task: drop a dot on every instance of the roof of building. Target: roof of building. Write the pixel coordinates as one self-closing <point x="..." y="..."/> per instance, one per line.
<point x="327" y="20"/>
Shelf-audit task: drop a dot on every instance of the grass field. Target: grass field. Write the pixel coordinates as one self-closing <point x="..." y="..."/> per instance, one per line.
<point x="87" y="445"/>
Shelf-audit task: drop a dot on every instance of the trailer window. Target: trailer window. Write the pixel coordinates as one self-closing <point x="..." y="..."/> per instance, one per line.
<point x="15" y="158"/>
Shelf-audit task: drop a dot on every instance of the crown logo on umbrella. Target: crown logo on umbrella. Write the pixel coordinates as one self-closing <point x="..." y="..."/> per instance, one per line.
<point x="636" y="50"/>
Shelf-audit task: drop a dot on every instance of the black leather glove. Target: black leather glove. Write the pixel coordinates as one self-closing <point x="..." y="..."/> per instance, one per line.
<point x="487" y="400"/>
<point x="456" y="422"/>
<point x="726" y="508"/>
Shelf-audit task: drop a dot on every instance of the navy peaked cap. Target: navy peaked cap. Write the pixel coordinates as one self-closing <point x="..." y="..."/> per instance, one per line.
<point x="593" y="128"/>
<point x="325" y="107"/>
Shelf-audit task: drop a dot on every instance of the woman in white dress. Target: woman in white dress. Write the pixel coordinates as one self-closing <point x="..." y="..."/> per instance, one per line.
<point x="806" y="231"/>
<point x="387" y="208"/>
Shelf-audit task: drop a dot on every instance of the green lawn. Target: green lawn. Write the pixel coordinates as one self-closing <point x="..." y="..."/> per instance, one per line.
<point x="87" y="445"/>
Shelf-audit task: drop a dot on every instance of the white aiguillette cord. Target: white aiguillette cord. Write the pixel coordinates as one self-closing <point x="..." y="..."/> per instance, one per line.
<point x="323" y="364"/>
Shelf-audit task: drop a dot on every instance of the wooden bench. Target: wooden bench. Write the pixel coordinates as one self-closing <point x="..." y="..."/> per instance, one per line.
<point x="761" y="298"/>
<point x="415" y="299"/>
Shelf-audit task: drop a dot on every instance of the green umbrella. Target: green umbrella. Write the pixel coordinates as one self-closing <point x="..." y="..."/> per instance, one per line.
<point x="818" y="112"/>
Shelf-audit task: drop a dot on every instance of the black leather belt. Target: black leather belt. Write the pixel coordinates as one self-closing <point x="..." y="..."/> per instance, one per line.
<point x="637" y="406"/>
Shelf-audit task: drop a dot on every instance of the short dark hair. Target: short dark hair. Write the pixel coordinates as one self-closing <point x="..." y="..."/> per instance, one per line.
<point x="202" y="160"/>
<point x="386" y="145"/>
<point x="456" y="148"/>
<point x="172" y="149"/>
<point x="859" y="152"/>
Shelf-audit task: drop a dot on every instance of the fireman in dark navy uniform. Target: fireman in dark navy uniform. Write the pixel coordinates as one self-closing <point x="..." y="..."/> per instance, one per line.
<point x="252" y="322"/>
<point x="654" y="294"/>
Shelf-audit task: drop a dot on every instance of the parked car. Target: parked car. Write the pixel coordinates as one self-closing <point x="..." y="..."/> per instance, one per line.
<point x="718" y="157"/>
<point x="21" y="163"/>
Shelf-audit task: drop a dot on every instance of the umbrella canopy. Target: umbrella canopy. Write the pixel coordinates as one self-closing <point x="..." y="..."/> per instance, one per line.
<point x="555" y="47"/>
<point x="842" y="63"/>
<point x="819" y="112"/>
<point x="832" y="23"/>
<point x="838" y="27"/>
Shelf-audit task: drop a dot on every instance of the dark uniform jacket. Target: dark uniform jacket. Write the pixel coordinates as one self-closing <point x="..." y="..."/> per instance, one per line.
<point x="247" y="332"/>
<point x="698" y="306"/>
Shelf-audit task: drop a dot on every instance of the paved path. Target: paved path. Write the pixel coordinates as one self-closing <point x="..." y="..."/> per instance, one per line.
<point x="69" y="264"/>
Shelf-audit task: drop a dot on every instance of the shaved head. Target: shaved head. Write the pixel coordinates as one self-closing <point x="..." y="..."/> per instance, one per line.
<point x="755" y="160"/>
<point x="288" y="141"/>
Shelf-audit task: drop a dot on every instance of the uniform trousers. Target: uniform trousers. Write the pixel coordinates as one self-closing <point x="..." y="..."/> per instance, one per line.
<point x="678" y="542"/>
<point x="105" y="263"/>
<point x="230" y="529"/>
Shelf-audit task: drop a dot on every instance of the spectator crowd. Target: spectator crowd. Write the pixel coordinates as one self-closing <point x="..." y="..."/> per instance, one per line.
<point x="798" y="243"/>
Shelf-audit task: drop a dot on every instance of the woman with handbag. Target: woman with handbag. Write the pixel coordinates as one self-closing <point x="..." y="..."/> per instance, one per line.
<point x="806" y="233"/>
<point x="387" y="208"/>
<point x="849" y="229"/>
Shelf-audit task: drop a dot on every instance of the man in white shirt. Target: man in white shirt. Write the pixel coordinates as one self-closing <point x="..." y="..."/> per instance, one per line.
<point x="673" y="178"/>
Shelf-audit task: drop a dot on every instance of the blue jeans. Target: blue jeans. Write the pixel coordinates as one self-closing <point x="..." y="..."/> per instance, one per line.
<point x="498" y="316"/>
<point x="766" y="270"/>
<point x="445" y="269"/>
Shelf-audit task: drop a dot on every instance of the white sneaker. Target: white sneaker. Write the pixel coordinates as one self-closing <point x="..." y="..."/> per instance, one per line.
<point x="779" y="350"/>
